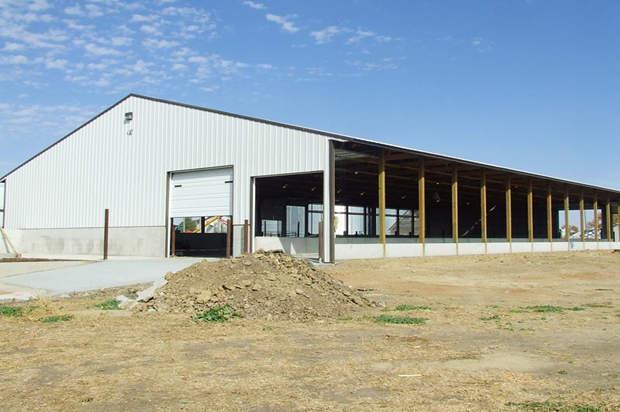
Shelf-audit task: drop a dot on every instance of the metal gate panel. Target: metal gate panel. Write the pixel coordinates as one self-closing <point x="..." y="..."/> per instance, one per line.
<point x="201" y="193"/>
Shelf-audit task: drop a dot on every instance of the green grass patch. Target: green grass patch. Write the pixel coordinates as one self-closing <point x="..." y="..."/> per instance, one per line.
<point x="11" y="311"/>
<point x="345" y="319"/>
<point x="400" y="320"/>
<point x="110" y="304"/>
<point x="54" y="319"/>
<point x="546" y="309"/>
<point x="490" y="318"/>
<point x="577" y="309"/>
<point x="519" y="311"/>
<point x="403" y="308"/>
<point x="553" y="407"/>
<point x="217" y="315"/>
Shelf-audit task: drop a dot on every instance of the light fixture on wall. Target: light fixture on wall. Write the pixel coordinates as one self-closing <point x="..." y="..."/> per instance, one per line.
<point x="436" y="197"/>
<point x="128" y="117"/>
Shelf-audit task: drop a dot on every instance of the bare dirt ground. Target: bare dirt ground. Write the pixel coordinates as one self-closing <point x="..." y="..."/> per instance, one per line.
<point x="483" y="347"/>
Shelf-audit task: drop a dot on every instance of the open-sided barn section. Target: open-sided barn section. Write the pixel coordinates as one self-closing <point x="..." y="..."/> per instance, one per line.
<point x="184" y="180"/>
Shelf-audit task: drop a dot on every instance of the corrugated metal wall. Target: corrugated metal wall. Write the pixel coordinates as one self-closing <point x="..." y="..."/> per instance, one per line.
<point x="123" y="166"/>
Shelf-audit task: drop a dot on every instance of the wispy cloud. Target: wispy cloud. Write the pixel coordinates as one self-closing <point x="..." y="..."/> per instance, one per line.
<point x="325" y="35"/>
<point x="284" y="22"/>
<point x="254" y="5"/>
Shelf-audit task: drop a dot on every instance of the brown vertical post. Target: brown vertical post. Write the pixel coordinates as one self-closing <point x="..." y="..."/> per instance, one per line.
<point x="609" y="220"/>
<point x="618" y="240"/>
<point x="321" y="241"/>
<point x="173" y="238"/>
<point x="595" y="207"/>
<point x="422" y="202"/>
<point x="106" y="228"/>
<point x="508" y="210"/>
<point x="530" y="211"/>
<point x="549" y="214"/>
<point x="582" y="213"/>
<point x="382" y="236"/>
<point x="566" y="217"/>
<point x="246" y="236"/>
<point x="483" y="206"/>
<point x="455" y="204"/>
<point x="229" y="230"/>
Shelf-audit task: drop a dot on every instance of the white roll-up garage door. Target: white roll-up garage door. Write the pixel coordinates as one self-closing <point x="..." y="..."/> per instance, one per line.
<point x="201" y="193"/>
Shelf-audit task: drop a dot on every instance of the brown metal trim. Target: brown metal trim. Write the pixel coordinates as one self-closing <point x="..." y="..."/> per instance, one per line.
<point x="106" y="228"/>
<point x="421" y="203"/>
<point x="549" y="214"/>
<point x="530" y="212"/>
<point x="455" y="204"/>
<point x="609" y="219"/>
<point x="229" y="230"/>
<point x="582" y="216"/>
<point x="566" y="215"/>
<point x="173" y="238"/>
<point x="596" y="225"/>
<point x="508" y="210"/>
<point x="483" y="206"/>
<point x="246" y="236"/>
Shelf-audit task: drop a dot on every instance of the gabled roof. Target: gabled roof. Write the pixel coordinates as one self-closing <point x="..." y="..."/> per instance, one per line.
<point x="340" y="137"/>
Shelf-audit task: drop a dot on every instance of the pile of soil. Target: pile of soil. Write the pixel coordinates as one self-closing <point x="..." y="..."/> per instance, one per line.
<point x="264" y="285"/>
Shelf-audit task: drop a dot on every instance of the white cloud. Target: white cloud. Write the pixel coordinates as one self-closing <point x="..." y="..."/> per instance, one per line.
<point x="159" y="44"/>
<point x="264" y="66"/>
<point x="142" y="67"/>
<point x="96" y="66"/>
<point x="325" y="35"/>
<point x="18" y="59"/>
<point x="39" y="5"/>
<point x="72" y="24"/>
<point x="74" y="10"/>
<point x="139" y="18"/>
<point x="10" y="47"/>
<point x="100" y="51"/>
<point x="56" y="64"/>
<point x="254" y="5"/>
<point x="284" y="22"/>
<point x="93" y="10"/>
<point x="150" y="30"/>
<point x="178" y="66"/>
<point x="198" y="59"/>
<point x="360" y="35"/>
<point x="121" y="41"/>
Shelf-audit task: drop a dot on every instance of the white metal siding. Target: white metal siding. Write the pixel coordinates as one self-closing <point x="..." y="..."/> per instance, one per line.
<point x="201" y="193"/>
<point x="123" y="166"/>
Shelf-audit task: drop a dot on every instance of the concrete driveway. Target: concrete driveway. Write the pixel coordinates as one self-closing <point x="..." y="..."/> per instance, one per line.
<point x="97" y="275"/>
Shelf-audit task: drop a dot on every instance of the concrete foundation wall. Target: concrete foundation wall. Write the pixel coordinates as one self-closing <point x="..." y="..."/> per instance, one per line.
<point x="134" y="241"/>
<point x="292" y="245"/>
<point x="358" y="248"/>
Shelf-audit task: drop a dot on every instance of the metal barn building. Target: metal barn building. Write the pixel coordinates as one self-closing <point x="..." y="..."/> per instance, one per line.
<point x="185" y="180"/>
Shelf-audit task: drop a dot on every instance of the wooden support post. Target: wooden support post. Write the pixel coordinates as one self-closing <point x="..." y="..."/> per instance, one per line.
<point x="530" y="211"/>
<point x="582" y="216"/>
<point x="246" y="236"/>
<point x="483" y="206"/>
<point x="421" y="202"/>
<point x="549" y="214"/>
<point x="173" y="238"/>
<point x="382" y="236"/>
<point x="596" y="225"/>
<point x="455" y="205"/>
<point x="106" y="229"/>
<point x="229" y="230"/>
<point x="566" y="216"/>
<point x="608" y="225"/>
<point x="508" y="210"/>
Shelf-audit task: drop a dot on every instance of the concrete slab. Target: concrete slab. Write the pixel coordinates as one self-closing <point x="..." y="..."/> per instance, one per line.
<point x="98" y="275"/>
<point x="21" y="268"/>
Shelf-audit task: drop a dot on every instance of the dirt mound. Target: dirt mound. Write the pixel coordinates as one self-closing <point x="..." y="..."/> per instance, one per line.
<point x="265" y="285"/>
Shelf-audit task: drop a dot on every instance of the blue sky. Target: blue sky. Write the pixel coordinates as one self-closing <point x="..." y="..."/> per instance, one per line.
<point x="527" y="84"/>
